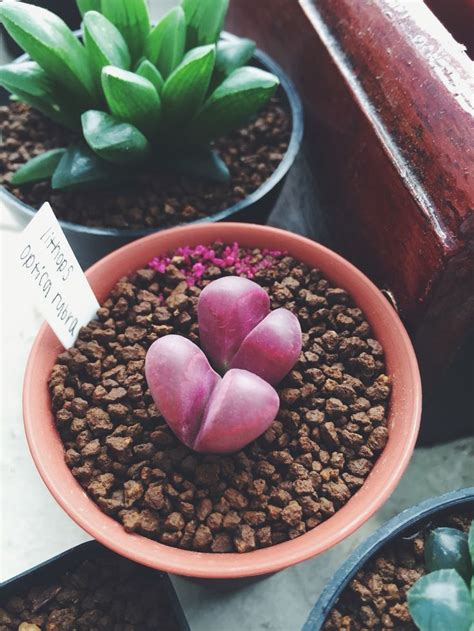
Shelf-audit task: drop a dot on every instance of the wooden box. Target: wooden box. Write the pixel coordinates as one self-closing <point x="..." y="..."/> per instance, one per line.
<point x="388" y="96"/>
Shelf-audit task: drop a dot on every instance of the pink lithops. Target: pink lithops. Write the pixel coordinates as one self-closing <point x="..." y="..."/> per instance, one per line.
<point x="241" y="407"/>
<point x="180" y="381"/>
<point x="228" y="309"/>
<point x="272" y="348"/>
<point x="257" y="347"/>
<point x="207" y="412"/>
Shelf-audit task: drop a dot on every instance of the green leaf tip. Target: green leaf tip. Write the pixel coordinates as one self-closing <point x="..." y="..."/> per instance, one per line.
<point x="112" y="140"/>
<point x="165" y="43"/>
<point x="49" y="41"/>
<point x="185" y="89"/>
<point x="38" y="168"/>
<point x="104" y="44"/>
<point x="233" y="103"/>
<point x="132" y="20"/>
<point x="132" y="98"/>
<point x="204" y="21"/>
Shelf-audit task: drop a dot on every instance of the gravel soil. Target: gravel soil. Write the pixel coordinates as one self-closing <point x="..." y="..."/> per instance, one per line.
<point x="330" y="429"/>
<point x="155" y="199"/>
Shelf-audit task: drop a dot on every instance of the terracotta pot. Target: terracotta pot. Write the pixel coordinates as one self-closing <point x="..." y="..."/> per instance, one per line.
<point x="403" y="417"/>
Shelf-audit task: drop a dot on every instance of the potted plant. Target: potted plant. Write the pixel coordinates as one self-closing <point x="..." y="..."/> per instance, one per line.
<point x="127" y="128"/>
<point x="411" y="573"/>
<point x="85" y="584"/>
<point x="95" y="420"/>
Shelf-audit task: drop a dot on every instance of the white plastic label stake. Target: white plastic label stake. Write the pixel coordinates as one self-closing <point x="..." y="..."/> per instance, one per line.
<point x="49" y="266"/>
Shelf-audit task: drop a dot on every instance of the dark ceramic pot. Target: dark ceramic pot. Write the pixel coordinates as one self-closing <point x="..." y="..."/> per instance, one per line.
<point x="407" y="520"/>
<point x="48" y="570"/>
<point x="91" y="244"/>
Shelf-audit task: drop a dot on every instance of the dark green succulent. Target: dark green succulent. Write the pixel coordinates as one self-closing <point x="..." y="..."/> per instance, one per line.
<point x="444" y="599"/>
<point x="137" y="93"/>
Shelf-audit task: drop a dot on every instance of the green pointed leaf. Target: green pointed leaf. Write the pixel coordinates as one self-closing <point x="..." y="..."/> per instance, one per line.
<point x="38" y="168"/>
<point x="88" y="5"/>
<point x="132" y="98"/>
<point x="233" y="103"/>
<point x="149" y="71"/>
<point x="31" y="84"/>
<point x="204" y="20"/>
<point x="185" y="89"/>
<point x="50" y="42"/>
<point x="112" y="140"/>
<point x="447" y="548"/>
<point x="202" y="162"/>
<point x="80" y="167"/>
<point x="165" y="43"/>
<point x="27" y="75"/>
<point x="440" y="601"/>
<point x="230" y="56"/>
<point x="104" y="44"/>
<point x="132" y="20"/>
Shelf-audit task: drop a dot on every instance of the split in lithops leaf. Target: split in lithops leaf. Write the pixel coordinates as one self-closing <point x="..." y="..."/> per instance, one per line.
<point x="206" y="412"/>
<point x="228" y="309"/>
<point x="272" y="348"/>
<point x="238" y="331"/>
<point x="175" y="82"/>
<point x="442" y="599"/>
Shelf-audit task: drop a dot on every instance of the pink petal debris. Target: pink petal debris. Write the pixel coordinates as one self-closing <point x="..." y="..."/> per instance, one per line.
<point x="197" y="260"/>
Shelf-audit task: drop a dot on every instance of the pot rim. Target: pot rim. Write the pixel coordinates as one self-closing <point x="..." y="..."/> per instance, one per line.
<point x="378" y="539"/>
<point x="297" y="128"/>
<point x="403" y="417"/>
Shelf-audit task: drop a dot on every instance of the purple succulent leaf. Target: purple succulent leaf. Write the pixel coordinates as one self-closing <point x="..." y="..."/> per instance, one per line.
<point x="181" y="381"/>
<point x="228" y="309"/>
<point x="272" y="348"/>
<point x="241" y="407"/>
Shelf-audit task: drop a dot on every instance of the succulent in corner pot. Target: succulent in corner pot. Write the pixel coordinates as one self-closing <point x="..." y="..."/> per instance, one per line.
<point x="444" y="598"/>
<point x="136" y="93"/>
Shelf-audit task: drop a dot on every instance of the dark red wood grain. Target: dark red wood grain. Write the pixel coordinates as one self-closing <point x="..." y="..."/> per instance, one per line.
<point x="388" y="98"/>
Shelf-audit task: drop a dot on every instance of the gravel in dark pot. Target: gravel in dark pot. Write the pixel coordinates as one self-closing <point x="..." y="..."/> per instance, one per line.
<point x="90" y="587"/>
<point x="370" y="589"/>
<point x="244" y="168"/>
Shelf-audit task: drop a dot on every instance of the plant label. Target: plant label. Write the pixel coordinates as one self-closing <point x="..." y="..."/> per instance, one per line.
<point x="50" y="268"/>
